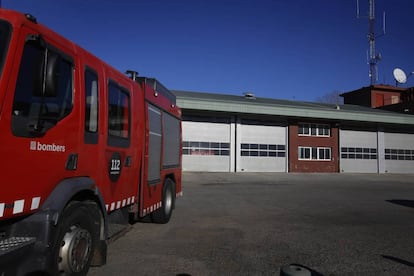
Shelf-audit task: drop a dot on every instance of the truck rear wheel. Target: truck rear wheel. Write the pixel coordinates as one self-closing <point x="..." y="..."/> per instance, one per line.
<point x="163" y="214"/>
<point x="78" y="232"/>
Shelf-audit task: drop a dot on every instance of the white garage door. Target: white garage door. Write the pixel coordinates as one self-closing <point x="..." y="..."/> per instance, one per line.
<point x="358" y="151"/>
<point x="399" y="152"/>
<point x="261" y="148"/>
<point x="206" y="146"/>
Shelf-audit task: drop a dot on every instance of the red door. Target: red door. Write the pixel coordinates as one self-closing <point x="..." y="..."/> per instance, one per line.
<point x="379" y="100"/>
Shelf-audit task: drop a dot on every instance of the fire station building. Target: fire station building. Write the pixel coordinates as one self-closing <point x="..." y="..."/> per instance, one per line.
<point x="228" y="133"/>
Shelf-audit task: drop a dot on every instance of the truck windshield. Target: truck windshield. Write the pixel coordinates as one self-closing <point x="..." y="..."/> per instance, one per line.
<point x="5" y="31"/>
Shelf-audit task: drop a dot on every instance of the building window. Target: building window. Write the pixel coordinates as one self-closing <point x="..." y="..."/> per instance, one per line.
<point x="322" y="130"/>
<point x="314" y="153"/>
<point x="399" y="154"/>
<point x="263" y="150"/>
<point x="358" y="153"/>
<point x="395" y="99"/>
<point x="206" y="148"/>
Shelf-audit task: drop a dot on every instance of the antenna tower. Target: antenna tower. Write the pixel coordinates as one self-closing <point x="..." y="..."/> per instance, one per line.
<point x="373" y="56"/>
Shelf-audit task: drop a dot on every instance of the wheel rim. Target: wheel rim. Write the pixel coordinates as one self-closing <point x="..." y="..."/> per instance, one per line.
<point x="168" y="201"/>
<point x="75" y="250"/>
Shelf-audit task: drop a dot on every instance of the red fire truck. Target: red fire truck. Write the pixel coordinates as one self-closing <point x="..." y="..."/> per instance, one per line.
<point x="84" y="150"/>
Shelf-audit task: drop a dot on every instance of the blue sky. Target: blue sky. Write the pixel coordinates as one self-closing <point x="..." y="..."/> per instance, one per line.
<point x="284" y="49"/>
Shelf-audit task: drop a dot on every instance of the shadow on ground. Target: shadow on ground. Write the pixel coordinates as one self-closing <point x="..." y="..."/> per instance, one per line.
<point x="398" y="260"/>
<point x="403" y="202"/>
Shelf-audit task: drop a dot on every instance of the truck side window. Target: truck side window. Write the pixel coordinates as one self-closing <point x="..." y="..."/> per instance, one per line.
<point x="91" y="107"/>
<point x="118" y="116"/>
<point x="34" y="112"/>
<point x="5" y="31"/>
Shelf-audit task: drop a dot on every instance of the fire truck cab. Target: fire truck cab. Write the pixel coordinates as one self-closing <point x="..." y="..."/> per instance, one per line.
<point x="84" y="150"/>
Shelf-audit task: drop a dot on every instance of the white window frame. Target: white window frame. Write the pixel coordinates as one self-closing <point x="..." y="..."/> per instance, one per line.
<point x="315" y="130"/>
<point x="314" y="153"/>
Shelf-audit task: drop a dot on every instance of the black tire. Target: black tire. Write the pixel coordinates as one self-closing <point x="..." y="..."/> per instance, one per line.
<point x="163" y="214"/>
<point x="77" y="237"/>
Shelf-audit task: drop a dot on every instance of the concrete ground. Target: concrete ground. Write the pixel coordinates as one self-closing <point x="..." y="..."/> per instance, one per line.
<point x="255" y="223"/>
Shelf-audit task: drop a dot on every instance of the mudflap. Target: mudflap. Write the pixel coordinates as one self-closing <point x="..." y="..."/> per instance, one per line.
<point x="26" y="248"/>
<point x="11" y="250"/>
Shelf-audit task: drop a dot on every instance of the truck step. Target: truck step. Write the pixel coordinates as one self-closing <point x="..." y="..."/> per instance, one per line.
<point x="11" y="244"/>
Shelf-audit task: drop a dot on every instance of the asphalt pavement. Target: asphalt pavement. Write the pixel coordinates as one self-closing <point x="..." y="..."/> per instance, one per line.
<point x="256" y="223"/>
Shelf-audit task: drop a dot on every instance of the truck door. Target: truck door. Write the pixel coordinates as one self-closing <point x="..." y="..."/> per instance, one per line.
<point x="39" y="122"/>
<point x="121" y="189"/>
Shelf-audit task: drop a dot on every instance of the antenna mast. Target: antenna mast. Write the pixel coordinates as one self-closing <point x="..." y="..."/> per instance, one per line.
<point x="373" y="56"/>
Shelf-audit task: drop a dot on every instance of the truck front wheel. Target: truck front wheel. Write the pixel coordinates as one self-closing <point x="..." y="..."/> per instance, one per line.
<point x="78" y="232"/>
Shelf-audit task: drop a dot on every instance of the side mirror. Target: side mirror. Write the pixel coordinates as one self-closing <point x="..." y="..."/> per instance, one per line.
<point x="47" y="77"/>
<point x="52" y="75"/>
